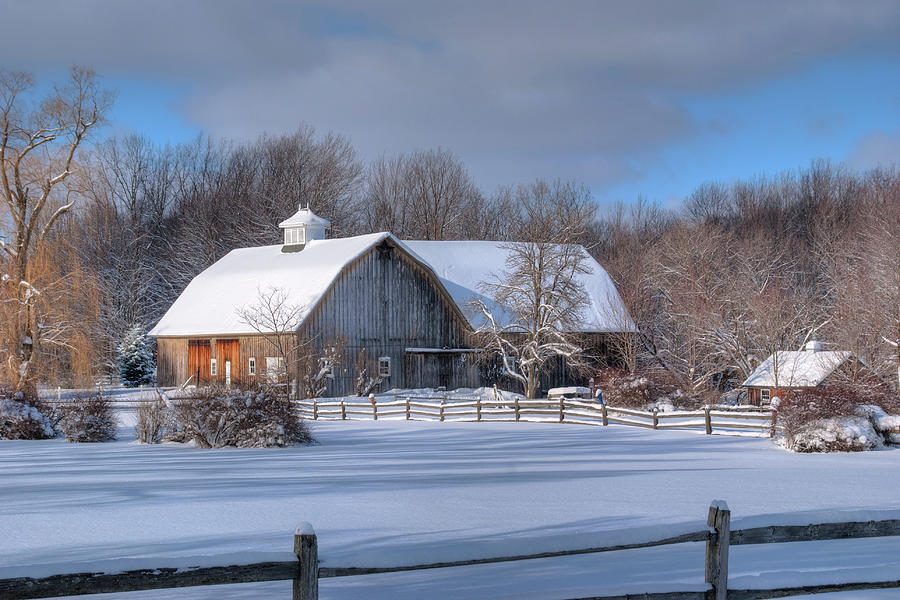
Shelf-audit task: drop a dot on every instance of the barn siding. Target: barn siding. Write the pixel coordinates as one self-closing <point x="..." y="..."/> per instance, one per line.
<point x="385" y="302"/>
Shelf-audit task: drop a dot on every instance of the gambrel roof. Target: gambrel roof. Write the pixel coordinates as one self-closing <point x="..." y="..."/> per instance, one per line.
<point x="209" y="305"/>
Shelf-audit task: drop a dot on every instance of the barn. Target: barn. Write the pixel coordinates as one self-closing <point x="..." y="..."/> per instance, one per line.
<point x="403" y="305"/>
<point x="787" y="370"/>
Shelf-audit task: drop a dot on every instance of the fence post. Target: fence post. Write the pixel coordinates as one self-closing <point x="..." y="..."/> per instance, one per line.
<point x="562" y="408"/>
<point x="717" y="549"/>
<point x="306" y="547"/>
<point x="407" y="408"/>
<point x="315" y="409"/>
<point x="603" y="414"/>
<point x="517" y="408"/>
<point x="442" y="407"/>
<point x="478" y="408"/>
<point x="655" y="418"/>
<point x="774" y="417"/>
<point x="343" y="410"/>
<point x="708" y="418"/>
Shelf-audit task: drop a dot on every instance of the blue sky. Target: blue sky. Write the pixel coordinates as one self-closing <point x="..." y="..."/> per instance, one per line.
<point x="642" y="98"/>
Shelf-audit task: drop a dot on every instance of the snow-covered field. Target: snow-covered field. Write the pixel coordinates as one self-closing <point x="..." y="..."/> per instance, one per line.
<point x="391" y="492"/>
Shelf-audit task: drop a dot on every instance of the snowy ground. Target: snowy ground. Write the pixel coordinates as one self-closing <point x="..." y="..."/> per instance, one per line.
<point x="390" y="492"/>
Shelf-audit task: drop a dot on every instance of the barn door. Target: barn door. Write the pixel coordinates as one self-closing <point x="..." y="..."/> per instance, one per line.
<point x="228" y="355"/>
<point x="198" y="360"/>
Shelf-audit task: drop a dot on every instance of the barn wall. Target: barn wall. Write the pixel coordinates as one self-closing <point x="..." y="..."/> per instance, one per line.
<point x="385" y="303"/>
<point x="171" y="361"/>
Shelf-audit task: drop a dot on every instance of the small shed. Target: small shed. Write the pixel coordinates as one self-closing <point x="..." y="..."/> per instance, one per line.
<point x="786" y="370"/>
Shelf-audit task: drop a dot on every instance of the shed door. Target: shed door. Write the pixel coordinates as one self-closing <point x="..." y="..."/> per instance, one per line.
<point x="229" y="350"/>
<point x="198" y="360"/>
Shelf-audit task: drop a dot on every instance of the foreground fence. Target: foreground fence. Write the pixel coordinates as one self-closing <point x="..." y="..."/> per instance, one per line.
<point x="580" y="412"/>
<point x="306" y="572"/>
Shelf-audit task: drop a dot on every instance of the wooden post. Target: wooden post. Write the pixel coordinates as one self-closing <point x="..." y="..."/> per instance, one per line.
<point x="603" y="413"/>
<point x="517" y="408"/>
<point x="706" y="410"/>
<point x="407" y="408"/>
<point x="478" y="408"/>
<point x="315" y="410"/>
<point x="655" y="418"/>
<point x="374" y="411"/>
<point x="442" y="408"/>
<point x="717" y="549"/>
<point x="774" y="418"/>
<point x="562" y="408"/>
<point x="306" y="547"/>
<point x="343" y="410"/>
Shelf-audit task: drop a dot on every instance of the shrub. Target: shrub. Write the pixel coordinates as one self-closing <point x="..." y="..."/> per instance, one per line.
<point x="24" y="417"/>
<point x="644" y="391"/>
<point x="836" y="418"/>
<point x="89" y="419"/>
<point x="154" y="422"/>
<point x="254" y="418"/>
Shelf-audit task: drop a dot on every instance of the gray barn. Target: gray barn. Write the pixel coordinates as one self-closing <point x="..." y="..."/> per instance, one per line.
<point x="406" y="304"/>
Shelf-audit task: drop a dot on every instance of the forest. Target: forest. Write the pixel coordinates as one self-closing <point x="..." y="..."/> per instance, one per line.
<point x="735" y="271"/>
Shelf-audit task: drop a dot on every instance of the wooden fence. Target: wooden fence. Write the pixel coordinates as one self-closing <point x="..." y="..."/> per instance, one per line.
<point x="724" y="419"/>
<point x="306" y="572"/>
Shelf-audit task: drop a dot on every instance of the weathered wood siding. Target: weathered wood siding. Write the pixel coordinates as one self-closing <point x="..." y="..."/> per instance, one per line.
<point x="171" y="360"/>
<point x="386" y="302"/>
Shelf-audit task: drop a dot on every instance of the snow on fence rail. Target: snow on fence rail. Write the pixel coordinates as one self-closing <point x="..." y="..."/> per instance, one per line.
<point x="306" y="572"/>
<point x="427" y="408"/>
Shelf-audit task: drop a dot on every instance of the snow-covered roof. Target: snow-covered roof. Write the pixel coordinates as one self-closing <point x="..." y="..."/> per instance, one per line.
<point x="304" y="216"/>
<point x="805" y="368"/>
<point x="464" y="265"/>
<point x="210" y="303"/>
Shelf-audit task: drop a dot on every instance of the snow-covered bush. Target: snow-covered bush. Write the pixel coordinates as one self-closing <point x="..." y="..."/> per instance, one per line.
<point x="24" y="418"/>
<point x="136" y="360"/>
<point x="644" y="391"/>
<point x="154" y="422"/>
<point x="89" y="419"/>
<point x="835" y="418"/>
<point x="254" y="418"/>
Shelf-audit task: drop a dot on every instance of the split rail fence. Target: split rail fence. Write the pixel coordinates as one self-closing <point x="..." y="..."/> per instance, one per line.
<point x="306" y="570"/>
<point x="425" y="408"/>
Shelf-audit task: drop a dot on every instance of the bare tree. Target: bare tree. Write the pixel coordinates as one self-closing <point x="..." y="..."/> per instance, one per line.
<point x="277" y="320"/>
<point x="39" y="143"/>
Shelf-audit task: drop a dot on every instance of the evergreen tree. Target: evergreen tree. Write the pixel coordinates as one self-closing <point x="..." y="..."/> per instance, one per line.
<point x="136" y="361"/>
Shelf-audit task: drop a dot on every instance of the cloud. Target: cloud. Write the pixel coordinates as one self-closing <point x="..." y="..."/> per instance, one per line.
<point x="880" y="149"/>
<point x="520" y="89"/>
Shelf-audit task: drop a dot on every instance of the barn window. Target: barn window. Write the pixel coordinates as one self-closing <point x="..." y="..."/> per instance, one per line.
<point x="212" y="366"/>
<point x="384" y="366"/>
<point x="766" y="396"/>
<point x="251" y="367"/>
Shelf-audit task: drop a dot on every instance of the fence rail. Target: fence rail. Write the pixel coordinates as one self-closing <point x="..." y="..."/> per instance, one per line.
<point x="579" y="412"/>
<point x="306" y="572"/>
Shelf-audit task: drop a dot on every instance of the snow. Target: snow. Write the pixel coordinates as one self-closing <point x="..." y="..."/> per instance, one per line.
<point x="305" y="528"/>
<point x="383" y="493"/>
<point x="304" y="216"/>
<point x="210" y="303"/>
<point x="797" y="369"/>
<point x="464" y="265"/>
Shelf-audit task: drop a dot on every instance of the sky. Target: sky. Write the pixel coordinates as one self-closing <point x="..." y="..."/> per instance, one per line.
<point x="638" y="98"/>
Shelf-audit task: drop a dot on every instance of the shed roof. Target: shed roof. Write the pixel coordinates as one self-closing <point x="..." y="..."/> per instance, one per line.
<point x="805" y="368"/>
<point x="209" y="305"/>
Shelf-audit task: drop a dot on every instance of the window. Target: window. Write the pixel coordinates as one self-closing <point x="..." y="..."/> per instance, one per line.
<point x="294" y="235"/>
<point x="384" y="366"/>
<point x="212" y="366"/>
<point x="251" y="368"/>
<point x="766" y="396"/>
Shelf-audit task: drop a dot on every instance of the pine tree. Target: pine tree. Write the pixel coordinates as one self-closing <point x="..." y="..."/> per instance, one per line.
<point x="136" y="361"/>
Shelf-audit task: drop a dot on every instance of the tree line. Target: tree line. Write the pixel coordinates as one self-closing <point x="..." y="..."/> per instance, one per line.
<point x="713" y="286"/>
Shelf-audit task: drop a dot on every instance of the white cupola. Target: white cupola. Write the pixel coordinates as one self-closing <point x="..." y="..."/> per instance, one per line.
<point x="813" y="346"/>
<point x="302" y="228"/>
